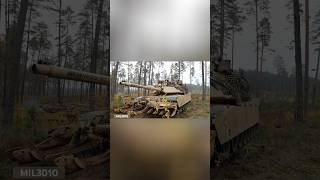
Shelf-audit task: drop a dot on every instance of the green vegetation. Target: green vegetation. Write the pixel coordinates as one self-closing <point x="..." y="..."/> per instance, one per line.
<point x="197" y="108"/>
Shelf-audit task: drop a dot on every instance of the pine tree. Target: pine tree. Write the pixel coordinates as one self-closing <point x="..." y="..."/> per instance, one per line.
<point x="258" y="9"/>
<point x="298" y="61"/>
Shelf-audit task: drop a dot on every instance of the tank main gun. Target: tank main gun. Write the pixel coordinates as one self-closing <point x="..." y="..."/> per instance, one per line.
<point x="159" y="89"/>
<point x="69" y="74"/>
<point x="152" y="88"/>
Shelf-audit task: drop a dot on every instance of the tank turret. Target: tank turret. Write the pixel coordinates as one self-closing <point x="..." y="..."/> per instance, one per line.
<point x="234" y="87"/>
<point x="160" y="89"/>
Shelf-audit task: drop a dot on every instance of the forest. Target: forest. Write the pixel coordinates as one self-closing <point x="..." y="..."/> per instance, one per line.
<point x="68" y="34"/>
<point x="55" y="33"/>
<point x="229" y="18"/>
<point x="279" y="41"/>
<point x="149" y="73"/>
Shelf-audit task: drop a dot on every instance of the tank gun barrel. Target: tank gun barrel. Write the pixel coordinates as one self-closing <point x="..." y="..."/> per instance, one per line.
<point x="69" y="74"/>
<point x="140" y="86"/>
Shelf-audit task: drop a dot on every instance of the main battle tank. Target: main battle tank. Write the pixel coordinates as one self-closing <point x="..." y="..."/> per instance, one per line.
<point x="167" y="99"/>
<point x="234" y="114"/>
<point x="75" y="146"/>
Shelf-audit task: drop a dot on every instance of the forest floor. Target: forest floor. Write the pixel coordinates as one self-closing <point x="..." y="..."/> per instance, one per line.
<point x="23" y="134"/>
<point x="282" y="148"/>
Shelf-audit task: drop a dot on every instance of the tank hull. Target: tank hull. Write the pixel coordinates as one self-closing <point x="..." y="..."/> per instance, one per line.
<point x="233" y="127"/>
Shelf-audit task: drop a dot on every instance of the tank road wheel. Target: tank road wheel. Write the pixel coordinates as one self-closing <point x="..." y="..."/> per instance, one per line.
<point x="150" y="111"/>
<point x="144" y="110"/>
<point x="162" y="112"/>
<point x="22" y="155"/>
<point x="156" y="111"/>
<point x="167" y="113"/>
<point x="174" y="112"/>
<point x="69" y="163"/>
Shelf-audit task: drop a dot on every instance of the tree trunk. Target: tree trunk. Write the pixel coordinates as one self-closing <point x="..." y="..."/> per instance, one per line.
<point x="27" y="53"/>
<point x="232" y="48"/>
<point x="149" y="80"/>
<point x="83" y="64"/>
<point x="1" y="53"/>
<point x="59" y="53"/>
<point x="298" y="61"/>
<point x="221" y="29"/>
<point x="145" y="78"/>
<point x="314" y="93"/>
<point x="5" y="61"/>
<point x="114" y="77"/>
<point x="190" y="73"/>
<point x="102" y="59"/>
<point x="179" y="69"/>
<point x="152" y="73"/>
<point x="93" y="64"/>
<point x="205" y="78"/>
<point x="14" y="55"/>
<point x="203" y="85"/>
<point x="306" y="76"/>
<point x="257" y="36"/>
<point x="262" y="58"/>
<point x="107" y="99"/>
<point x="139" y="78"/>
<point x="128" y="74"/>
<point x="8" y="14"/>
<point x="0" y="10"/>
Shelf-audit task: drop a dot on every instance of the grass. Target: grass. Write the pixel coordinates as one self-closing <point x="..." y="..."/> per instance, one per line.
<point x="197" y="108"/>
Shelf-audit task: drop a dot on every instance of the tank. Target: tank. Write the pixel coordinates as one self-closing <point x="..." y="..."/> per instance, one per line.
<point x="167" y="99"/>
<point x="86" y="139"/>
<point x="234" y="113"/>
<point x="74" y="146"/>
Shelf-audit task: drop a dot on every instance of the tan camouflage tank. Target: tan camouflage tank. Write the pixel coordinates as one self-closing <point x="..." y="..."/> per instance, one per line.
<point x="79" y="145"/>
<point x="234" y="114"/>
<point x="167" y="99"/>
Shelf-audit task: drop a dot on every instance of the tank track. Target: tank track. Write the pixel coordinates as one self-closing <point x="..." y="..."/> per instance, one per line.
<point x="152" y="111"/>
<point x="226" y="150"/>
